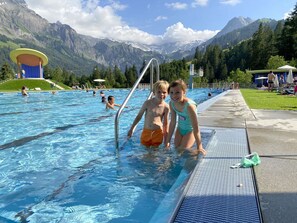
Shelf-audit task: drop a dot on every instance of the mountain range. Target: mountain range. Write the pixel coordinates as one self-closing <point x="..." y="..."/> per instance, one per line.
<point x="22" y="27"/>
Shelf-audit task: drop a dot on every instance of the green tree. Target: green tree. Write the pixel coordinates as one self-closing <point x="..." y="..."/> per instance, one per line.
<point x="239" y="56"/>
<point x="57" y="74"/>
<point x="72" y="80"/>
<point x="6" y="72"/>
<point x="84" y="80"/>
<point x="275" y="61"/>
<point x="287" y="43"/>
<point x="65" y="76"/>
<point x="176" y="69"/>
<point x="277" y="36"/>
<point x="214" y="62"/>
<point x="222" y="72"/>
<point x="293" y="62"/>
<point x="47" y="72"/>
<point x="120" y="78"/>
<point x="198" y="58"/>
<point x="131" y="75"/>
<point x="95" y="74"/>
<point x="110" y="80"/>
<point x="146" y="77"/>
<point x="240" y="77"/>
<point x="262" y="45"/>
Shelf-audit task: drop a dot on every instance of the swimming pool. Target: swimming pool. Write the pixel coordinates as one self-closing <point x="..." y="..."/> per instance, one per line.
<point x="58" y="161"/>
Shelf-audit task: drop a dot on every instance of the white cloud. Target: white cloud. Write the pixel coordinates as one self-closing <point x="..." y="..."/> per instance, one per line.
<point x="230" y="2"/>
<point x="118" y="6"/>
<point x="87" y="18"/>
<point x="174" y="33"/>
<point x="91" y="19"/>
<point x="176" y="5"/>
<point x="287" y="14"/>
<point x="158" y="18"/>
<point x="199" y="3"/>
<point x="128" y="34"/>
<point x="178" y="32"/>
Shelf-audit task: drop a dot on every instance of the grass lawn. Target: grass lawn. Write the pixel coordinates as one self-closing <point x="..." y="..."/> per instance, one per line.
<point x="259" y="99"/>
<point x="16" y="85"/>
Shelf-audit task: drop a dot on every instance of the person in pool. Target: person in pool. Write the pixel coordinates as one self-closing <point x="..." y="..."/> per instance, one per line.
<point x="24" y="92"/>
<point x="187" y="131"/>
<point x="110" y="103"/>
<point x="156" y="117"/>
<point x="102" y="95"/>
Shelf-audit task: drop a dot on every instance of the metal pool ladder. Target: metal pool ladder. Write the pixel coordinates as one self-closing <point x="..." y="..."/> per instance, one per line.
<point x="153" y="63"/>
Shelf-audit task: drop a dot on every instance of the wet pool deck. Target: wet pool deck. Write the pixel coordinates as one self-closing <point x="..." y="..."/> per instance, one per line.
<point x="218" y="193"/>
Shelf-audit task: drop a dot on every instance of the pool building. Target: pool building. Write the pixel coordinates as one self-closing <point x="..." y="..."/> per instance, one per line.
<point x="30" y="62"/>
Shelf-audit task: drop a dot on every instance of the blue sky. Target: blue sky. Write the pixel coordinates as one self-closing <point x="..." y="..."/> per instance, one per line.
<point x="156" y="21"/>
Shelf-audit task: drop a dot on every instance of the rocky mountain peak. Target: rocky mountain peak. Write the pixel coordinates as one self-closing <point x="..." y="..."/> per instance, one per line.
<point x="233" y="24"/>
<point x="18" y="21"/>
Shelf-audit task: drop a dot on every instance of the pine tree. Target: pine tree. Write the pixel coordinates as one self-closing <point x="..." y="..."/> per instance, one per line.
<point x="288" y="41"/>
<point x="6" y="72"/>
<point x="131" y="75"/>
<point x="262" y="46"/>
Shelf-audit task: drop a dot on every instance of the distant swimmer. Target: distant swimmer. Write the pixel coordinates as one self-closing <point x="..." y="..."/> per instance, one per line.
<point x="24" y="92"/>
<point x="103" y="99"/>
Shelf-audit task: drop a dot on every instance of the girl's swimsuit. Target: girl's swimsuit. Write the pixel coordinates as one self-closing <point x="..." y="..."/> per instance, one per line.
<point x="184" y="122"/>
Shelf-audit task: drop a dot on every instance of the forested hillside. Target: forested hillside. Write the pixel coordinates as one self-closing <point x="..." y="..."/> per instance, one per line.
<point x="267" y="49"/>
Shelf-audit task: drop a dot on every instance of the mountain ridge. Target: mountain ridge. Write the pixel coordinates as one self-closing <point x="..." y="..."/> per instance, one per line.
<point x="237" y="35"/>
<point x="80" y="53"/>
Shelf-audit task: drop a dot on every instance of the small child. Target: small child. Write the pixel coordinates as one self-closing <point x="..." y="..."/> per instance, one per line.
<point x="110" y="103"/>
<point x="156" y="117"/>
<point x="187" y="131"/>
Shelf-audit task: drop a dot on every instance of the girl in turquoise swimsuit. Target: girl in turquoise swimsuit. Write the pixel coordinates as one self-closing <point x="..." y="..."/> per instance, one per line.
<point x="187" y="131"/>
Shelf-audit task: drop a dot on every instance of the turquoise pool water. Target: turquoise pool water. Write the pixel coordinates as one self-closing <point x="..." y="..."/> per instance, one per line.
<point x="58" y="161"/>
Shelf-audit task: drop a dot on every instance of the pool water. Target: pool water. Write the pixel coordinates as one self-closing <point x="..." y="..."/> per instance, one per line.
<point x="58" y="161"/>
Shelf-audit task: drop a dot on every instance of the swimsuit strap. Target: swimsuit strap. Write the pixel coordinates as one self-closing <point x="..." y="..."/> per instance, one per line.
<point x="185" y="107"/>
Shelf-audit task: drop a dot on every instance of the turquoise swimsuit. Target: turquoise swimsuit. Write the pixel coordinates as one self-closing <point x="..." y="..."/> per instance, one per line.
<point x="184" y="122"/>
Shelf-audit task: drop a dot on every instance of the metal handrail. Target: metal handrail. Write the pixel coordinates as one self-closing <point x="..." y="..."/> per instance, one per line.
<point x="149" y="64"/>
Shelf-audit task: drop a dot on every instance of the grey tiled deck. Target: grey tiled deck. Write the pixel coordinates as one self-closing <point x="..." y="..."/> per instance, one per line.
<point x="216" y="192"/>
<point x="270" y="133"/>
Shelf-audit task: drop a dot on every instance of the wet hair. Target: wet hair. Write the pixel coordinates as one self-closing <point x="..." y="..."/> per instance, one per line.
<point x="161" y="84"/>
<point x="103" y="99"/>
<point x="110" y="97"/>
<point x="180" y="83"/>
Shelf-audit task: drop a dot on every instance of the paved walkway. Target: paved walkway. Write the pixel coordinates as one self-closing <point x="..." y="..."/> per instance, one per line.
<point x="54" y="84"/>
<point x="273" y="134"/>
